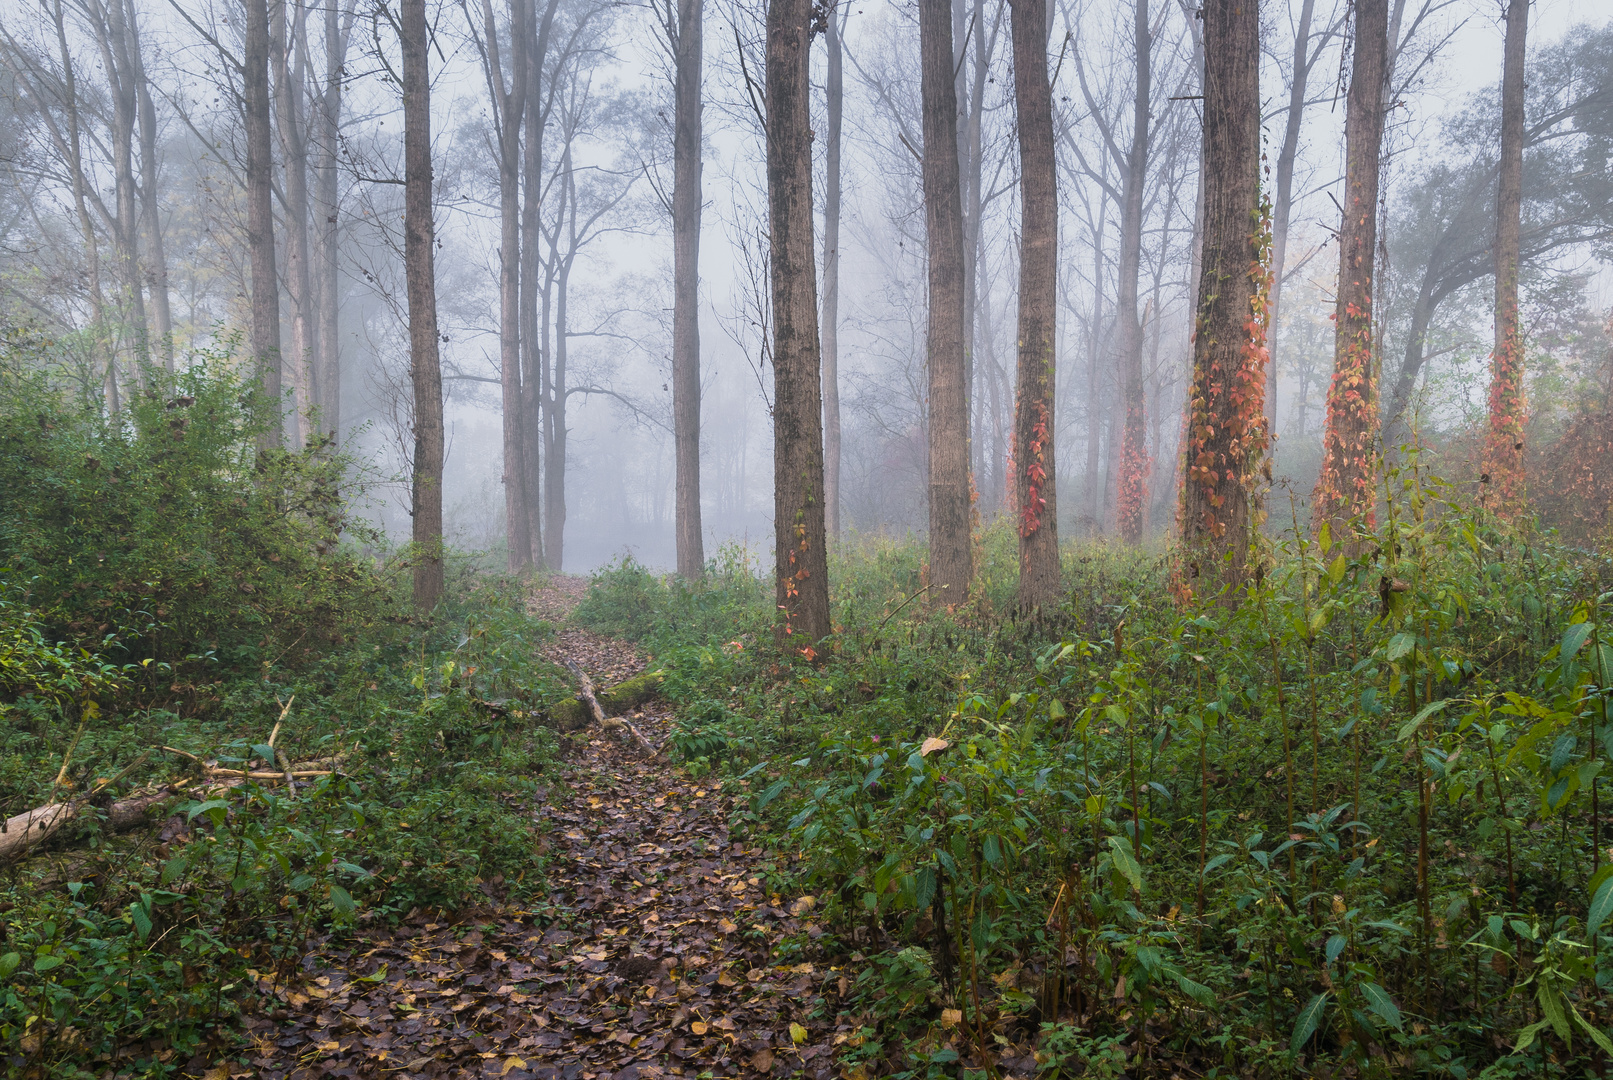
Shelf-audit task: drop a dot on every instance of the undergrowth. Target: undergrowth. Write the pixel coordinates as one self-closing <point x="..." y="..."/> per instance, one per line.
<point x="1346" y="823"/>
<point x="169" y="598"/>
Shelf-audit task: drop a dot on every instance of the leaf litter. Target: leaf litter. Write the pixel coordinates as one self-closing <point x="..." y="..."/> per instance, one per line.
<point x="655" y="958"/>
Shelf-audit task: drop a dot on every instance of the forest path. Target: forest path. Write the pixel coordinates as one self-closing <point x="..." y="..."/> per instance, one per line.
<point x="653" y="955"/>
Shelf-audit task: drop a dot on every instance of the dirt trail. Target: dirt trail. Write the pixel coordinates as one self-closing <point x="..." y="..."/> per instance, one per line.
<point x="656" y="958"/>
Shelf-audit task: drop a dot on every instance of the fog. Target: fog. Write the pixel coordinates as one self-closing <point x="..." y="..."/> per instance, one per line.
<point x="605" y="222"/>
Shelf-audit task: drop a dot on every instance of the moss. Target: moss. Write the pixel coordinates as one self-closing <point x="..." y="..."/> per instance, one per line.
<point x="572" y="714"/>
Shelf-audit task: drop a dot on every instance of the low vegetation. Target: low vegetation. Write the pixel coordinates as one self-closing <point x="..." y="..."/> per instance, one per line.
<point x="171" y="602"/>
<point x="1348" y="825"/>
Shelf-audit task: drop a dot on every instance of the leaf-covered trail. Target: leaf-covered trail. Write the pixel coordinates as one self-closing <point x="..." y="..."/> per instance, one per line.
<point x="657" y="958"/>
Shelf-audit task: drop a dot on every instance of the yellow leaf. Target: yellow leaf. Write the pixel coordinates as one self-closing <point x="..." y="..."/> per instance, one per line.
<point x="798" y="1034"/>
<point x="803" y="905"/>
<point x="726" y="979"/>
<point x="512" y="1062"/>
<point x="699" y="1027"/>
<point x="951" y="1018"/>
<point x="727" y="927"/>
<point x="931" y="745"/>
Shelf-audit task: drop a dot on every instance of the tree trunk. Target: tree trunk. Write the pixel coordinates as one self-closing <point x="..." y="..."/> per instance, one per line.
<point x="1035" y="481"/>
<point x="686" y="202"/>
<point x="265" y="336"/>
<point x="1092" y="492"/>
<point x="534" y="362"/>
<point x="1226" y="432"/>
<point x="1346" y="489"/>
<point x="327" y="202"/>
<point x="425" y="370"/>
<point x="156" y="254"/>
<point x="1132" y="486"/>
<point x="834" y="100"/>
<point x="111" y="35"/>
<point x="973" y="170"/>
<point x="801" y="566"/>
<point x="287" y="36"/>
<point x="1503" y="450"/>
<point x="1283" y="204"/>
<point x="951" y="559"/>
<point x="509" y="107"/>
<point x="554" y="481"/>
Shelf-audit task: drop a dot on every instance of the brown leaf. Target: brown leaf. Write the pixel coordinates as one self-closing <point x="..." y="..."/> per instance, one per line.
<point x="762" y="1061"/>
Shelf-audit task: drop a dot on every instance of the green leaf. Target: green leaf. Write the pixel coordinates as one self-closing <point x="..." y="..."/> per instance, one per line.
<point x="1216" y="863"/>
<point x="46" y="963"/>
<point x="1551" y="1007"/>
<point x="266" y="752"/>
<point x="1601" y="907"/>
<point x="1526" y="1037"/>
<point x="1126" y="862"/>
<point x="1399" y="645"/>
<point x="1410" y="727"/>
<point x="1309" y="1018"/>
<point x="1597" y="1035"/>
<point x="378" y="975"/>
<point x="1324" y="536"/>
<point x="1335" y="572"/>
<point x="1335" y="945"/>
<point x="1379" y="1001"/>
<point x="142" y="920"/>
<point x="1573" y="639"/>
<point x="1200" y="993"/>
<point x="8" y="964"/>
<point x="342" y="900"/>
<point x="207" y="808"/>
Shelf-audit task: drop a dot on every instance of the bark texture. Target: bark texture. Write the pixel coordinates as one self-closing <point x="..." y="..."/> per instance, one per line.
<point x="686" y="200"/>
<point x="801" y="567"/>
<point x="1226" y="428"/>
<point x="327" y="204"/>
<point x="1132" y="494"/>
<point x="951" y="560"/>
<point x="265" y="336"/>
<point x="1035" y="478"/>
<point x="1345" y="489"/>
<point x="834" y="102"/>
<point x="425" y="370"/>
<point x="288" y="57"/>
<point x="1503" y="447"/>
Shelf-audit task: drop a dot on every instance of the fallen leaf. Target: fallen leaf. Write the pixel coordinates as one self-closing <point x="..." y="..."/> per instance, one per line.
<point x="951" y="1018"/>
<point x="512" y="1062"/>
<point x="699" y="1027"/>
<point x="931" y="745"/>
<point x="803" y="905"/>
<point x="798" y="1034"/>
<point x="762" y="1061"/>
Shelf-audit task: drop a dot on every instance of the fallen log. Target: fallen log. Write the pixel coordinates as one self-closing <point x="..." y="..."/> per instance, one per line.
<point x="613" y="701"/>
<point x="585" y="692"/>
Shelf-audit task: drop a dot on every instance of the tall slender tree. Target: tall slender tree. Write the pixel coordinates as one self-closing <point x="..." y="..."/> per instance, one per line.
<point x="1345" y="489"/>
<point x="1132" y="497"/>
<point x="338" y="23"/>
<point x="801" y="568"/>
<point x="686" y="201"/>
<point x="1503" y="447"/>
<point x="951" y="560"/>
<point x="506" y="85"/>
<point x="1035" y="479"/>
<point x="265" y="335"/>
<point x="1226" y="428"/>
<point x="156" y="258"/>
<point x="288" y="55"/>
<point x="834" y="107"/>
<point x="1308" y="46"/>
<point x="425" y="369"/>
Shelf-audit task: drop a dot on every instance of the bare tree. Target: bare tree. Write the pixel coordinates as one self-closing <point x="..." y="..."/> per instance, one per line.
<point x="1309" y="45"/>
<point x="425" y="368"/>
<point x="1503" y="447"/>
<point x="686" y="203"/>
<point x="951" y="561"/>
<point x="288" y="57"/>
<point x="156" y="259"/>
<point x="1035" y="478"/>
<point x="801" y="568"/>
<point x="834" y="102"/>
<point x="1345" y="489"/>
<point x="338" y="24"/>
<point x="508" y="95"/>
<point x="1226" y="420"/>
<point x="265" y="336"/>
<point x="1132" y="496"/>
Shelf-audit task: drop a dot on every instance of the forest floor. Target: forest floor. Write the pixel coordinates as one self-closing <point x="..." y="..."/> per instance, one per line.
<point x="653" y="953"/>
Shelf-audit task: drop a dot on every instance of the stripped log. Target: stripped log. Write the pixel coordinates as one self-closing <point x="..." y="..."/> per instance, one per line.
<point x="585" y="693"/>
